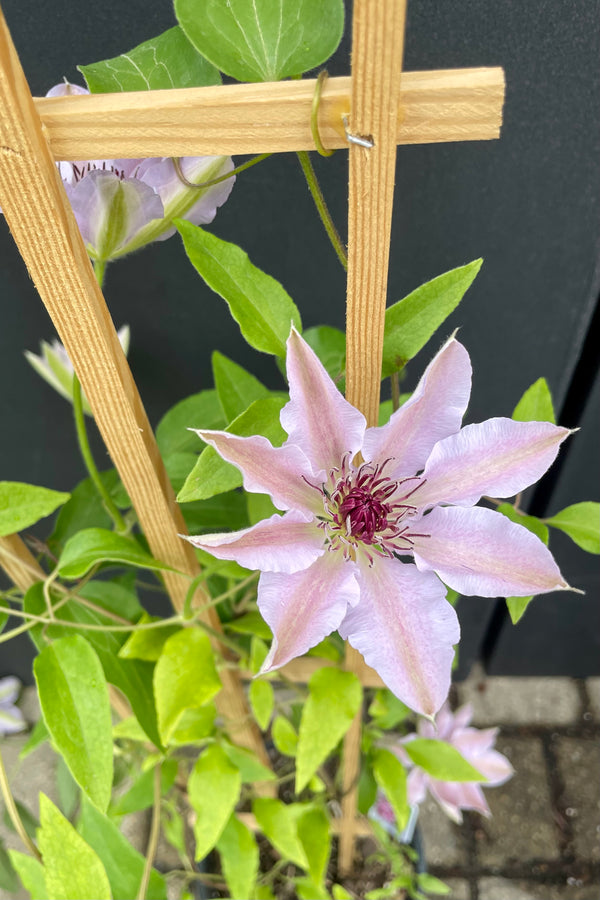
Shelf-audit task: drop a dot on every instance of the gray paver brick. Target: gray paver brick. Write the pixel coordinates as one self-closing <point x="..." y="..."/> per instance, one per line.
<point x="579" y="763"/>
<point x="505" y="889"/>
<point x="520" y="701"/>
<point x="521" y="827"/>
<point x="444" y="841"/>
<point x="593" y="689"/>
<point x="459" y="889"/>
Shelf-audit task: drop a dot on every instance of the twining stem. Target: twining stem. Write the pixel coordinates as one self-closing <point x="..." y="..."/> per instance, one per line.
<point x="13" y="812"/>
<point x="395" y="383"/>
<point x="317" y="195"/>
<point x="86" y="453"/>
<point x="205" y="184"/>
<point x="153" y="839"/>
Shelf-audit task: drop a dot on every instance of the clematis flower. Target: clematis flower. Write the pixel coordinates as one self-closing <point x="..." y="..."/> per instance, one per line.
<point x="474" y="744"/>
<point x="55" y="367"/>
<point x="11" y="717"/>
<point x="122" y="204"/>
<point x="364" y="538"/>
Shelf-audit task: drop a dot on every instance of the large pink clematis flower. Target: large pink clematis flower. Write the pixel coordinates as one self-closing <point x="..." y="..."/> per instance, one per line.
<point x="477" y="747"/>
<point x="122" y="204"/>
<point x="361" y="540"/>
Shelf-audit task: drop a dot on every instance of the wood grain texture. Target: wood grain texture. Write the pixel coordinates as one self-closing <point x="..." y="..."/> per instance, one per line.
<point x="19" y="563"/>
<point x="444" y="105"/>
<point x="377" y="48"/>
<point x="42" y="223"/>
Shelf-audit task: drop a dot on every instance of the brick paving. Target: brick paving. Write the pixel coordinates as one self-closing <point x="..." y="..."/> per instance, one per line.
<point x="543" y="839"/>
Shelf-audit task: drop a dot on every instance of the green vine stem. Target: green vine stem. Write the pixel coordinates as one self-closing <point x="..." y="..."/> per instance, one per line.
<point x="322" y="209"/>
<point x="13" y="812"/>
<point x="153" y="838"/>
<point x="205" y="184"/>
<point x="86" y="453"/>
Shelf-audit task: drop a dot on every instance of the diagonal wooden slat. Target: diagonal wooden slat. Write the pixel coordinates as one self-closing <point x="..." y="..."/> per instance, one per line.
<point x="42" y="223"/>
<point x="377" y="47"/>
<point x="444" y="105"/>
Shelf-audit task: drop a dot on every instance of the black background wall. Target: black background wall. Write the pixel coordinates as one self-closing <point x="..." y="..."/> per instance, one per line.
<point x="527" y="203"/>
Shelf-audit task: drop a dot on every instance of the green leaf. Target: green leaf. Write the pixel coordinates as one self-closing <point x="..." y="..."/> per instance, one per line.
<point x="411" y="322"/>
<point x="279" y="823"/>
<point x="330" y="346"/>
<point x="73" y="871"/>
<point x="259" y="506"/>
<point x="306" y="889"/>
<point x="132" y="677"/>
<point x="236" y="387"/>
<point x="212" y="475"/>
<point x="164" y="62"/>
<point x="85" y="509"/>
<point x="8" y="877"/>
<point x="313" y="831"/>
<point x="582" y="523"/>
<point x="22" y="505"/>
<point x="74" y="700"/>
<point x="536" y="404"/>
<point x="284" y="736"/>
<point x="390" y="775"/>
<point x="185" y="677"/>
<point x="517" y="606"/>
<point x="123" y="864"/>
<point x="432" y="885"/>
<point x="239" y="859"/>
<point x="225" y="512"/>
<point x="263" y="40"/>
<point x="338" y="892"/>
<point x="334" y="697"/>
<point x="31" y="873"/>
<point x="250" y="623"/>
<point x="201" y="410"/>
<point x="67" y="789"/>
<point x="258" y="303"/>
<point x="148" y="643"/>
<point x="441" y="760"/>
<point x="262" y="701"/>
<point x="97" y="545"/>
<point x="195" y="725"/>
<point x="141" y="793"/>
<point x="214" y="788"/>
<point x="250" y="767"/>
<point x="531" y="523"/>
<point x="258" y="654"/>
<point x="30" y="823"/>
<point x="37" y="737"/>
<point x="387" y="710"/>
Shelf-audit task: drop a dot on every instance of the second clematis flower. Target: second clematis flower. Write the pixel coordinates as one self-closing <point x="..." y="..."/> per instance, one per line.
<point x="378" y="520"/>
<point x="122" y="204"/>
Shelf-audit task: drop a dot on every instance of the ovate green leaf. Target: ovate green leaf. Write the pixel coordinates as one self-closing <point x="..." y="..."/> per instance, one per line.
<point x="265" y="40"/>
<point x="313" y="831"/>
<point x="284" y="736"/>
<point x="279" y="823"/>
<point x="236" y="388"/>
<point x="97" y="545"/>
<point x="74" y="700"/>
<point x="166" y="61"/>
<point x="258" y="303"/>
<point x="390" y="775"/>
<point x="22" y="505"/>
<point x="31" y="873"/>
<point x="72" y="870"/>
<point x="201" y="410"/>
<point x="334" y="697"/>
<point x="214" y="788"/>
<point x="536" y="404"/>
<point x="262" y="701"/>
<point x="411" y="322"/>
<point x="441" y="760"/>
<point x="239" y="859"/>
<point x="582" y="523"/>
<point x="185" y="678"/>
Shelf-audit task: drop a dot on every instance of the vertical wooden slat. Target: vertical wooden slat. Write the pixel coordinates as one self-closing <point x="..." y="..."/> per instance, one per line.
<point x="377" y="46"/>
<point x="44" y="227"/>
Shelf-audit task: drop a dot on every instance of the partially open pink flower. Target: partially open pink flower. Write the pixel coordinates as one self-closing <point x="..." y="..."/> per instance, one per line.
<point x="476" y="746"/>
<point x="122" y="204"/>
<point x="343" y="555"/>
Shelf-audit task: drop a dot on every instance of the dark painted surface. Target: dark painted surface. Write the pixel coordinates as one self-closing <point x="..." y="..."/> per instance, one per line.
<point x="527" y="203"/>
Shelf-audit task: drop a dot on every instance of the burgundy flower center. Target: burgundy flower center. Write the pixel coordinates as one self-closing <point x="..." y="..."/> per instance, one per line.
<point x="365" y="509"/>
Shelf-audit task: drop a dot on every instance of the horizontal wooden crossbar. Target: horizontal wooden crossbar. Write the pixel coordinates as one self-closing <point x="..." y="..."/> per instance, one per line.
<point x="437" y="106"/>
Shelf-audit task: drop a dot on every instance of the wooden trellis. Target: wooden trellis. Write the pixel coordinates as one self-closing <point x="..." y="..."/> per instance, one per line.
<point x="379" y="103"/>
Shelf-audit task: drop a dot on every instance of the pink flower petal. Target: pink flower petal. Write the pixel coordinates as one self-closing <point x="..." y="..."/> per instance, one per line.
<point x="495" y="767"/>
<point x="302" y="609"/>
<point x="454" y="796"/>
<point x="318" y="418"/>
<point x="280" y="544"/>
<point x="497" y="457"/>
<point x="278" y="471"/>
<point x="405" y="630"/>
<point x="480" y="552"/>
<point x="416" y="786"/>
<point x="434" y="411"/>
